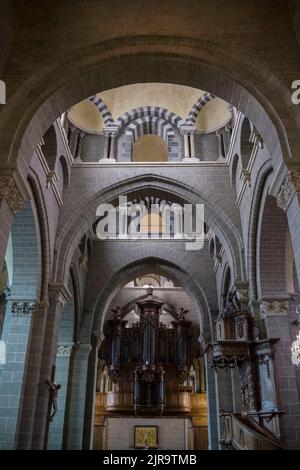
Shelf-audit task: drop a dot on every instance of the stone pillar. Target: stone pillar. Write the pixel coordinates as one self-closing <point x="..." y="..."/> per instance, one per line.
<point x="274" y="312"/>
<point x="77" y="398"/>
<point x="288" y="199"/>
<point x="188" y="133"/>
<point x="91" y="392"/>
<point x="212" y="411"/>
<point x="15" y="335"/>
<point x="32" y="376"/>
<point x="56" y="429"/>
<point x="110" y="144"/>
<point x="59" y="296"/>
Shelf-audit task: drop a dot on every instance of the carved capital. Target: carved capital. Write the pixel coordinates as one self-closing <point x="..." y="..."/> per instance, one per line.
<point x="64" y="350"/>
<point x="23" y="308"/>
<point x="11" y="193"/>
<point x="111" y="131"/>
<point x="273" y="307"/>
<point x="59" y="296"/>
<point x="290" y="186"/>
<point x="187" y="130"/>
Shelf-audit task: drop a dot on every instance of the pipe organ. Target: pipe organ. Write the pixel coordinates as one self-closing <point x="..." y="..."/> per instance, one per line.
<point x="147" y="361"/>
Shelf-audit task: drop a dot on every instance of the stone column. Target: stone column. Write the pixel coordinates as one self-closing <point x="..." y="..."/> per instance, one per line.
<point x="77" y="398"/>
<point x="56" y="429"/>
<point x="188" y="133"/>
<point x="274" y="312"/>
<point x="15" y="335"/>
<point x="91" y="392"/>
<point x="110" y="144"/>
<point x="219" y="135"/>
<point x="212" y="412"/>
<point x="59" y="296"/>
<point x="32" y="376"/>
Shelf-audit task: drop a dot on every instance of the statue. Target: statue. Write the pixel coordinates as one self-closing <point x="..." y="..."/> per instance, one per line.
<point x="181" y="314"/>
<point x="231" y="304"/>
<point x="117" y="313"/>
<point x="53" y="392"/>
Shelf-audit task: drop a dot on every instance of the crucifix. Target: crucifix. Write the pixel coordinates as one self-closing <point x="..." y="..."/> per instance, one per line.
<point x="52" y="403"/>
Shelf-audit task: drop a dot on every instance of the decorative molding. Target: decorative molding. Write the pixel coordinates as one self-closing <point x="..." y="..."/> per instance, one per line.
<point x="23" y="308"/>
<point x="288" y="189"/>
<point x="11" y="193"/>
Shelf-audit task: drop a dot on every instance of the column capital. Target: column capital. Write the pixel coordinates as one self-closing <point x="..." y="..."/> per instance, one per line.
<point x="13" y="190"/>
<point x="64" y="350"/>
<point x="26" y="308"/>
<point x="59" y="295"/>
<point x="110" y="131"/>
<point x="274" y="307"/>
<point x="187" y="129"/>
<point x="288" y="189"/>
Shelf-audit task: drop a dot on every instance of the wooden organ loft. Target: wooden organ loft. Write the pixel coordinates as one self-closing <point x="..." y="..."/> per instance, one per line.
<point x="148" y="369"/>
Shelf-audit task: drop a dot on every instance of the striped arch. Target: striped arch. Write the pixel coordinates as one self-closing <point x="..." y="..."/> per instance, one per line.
<point x="149" y="125"/>
<point x="147" y="111"/>
<point x="200" y="103"/>
<point x="103" y="109"/>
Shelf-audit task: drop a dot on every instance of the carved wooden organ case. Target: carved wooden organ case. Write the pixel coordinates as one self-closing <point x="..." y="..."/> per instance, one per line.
<point x="148" y="360"/>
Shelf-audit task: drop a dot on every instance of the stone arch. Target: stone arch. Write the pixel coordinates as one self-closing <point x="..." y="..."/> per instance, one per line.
<point x="147" y="112"/>
<point x="253" y="227"/>
<point x="148" y="125"/>
<point x="141" y="266"/>
<point x="103" y="109"/>
<point x="271" y="268"/>
<point x="217" y="220"/>
<point x="201" y="69"/>
<point x="198" y="106"/>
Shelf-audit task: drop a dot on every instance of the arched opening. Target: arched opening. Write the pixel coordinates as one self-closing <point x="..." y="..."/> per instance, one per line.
<point x="158" y="327"/>
<point x="150" y="148"/>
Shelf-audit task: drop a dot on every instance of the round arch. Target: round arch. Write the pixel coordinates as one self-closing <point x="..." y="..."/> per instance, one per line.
<point x="141" y="267"/>
<point x="77" y="226"/>
<point x="69" y="78"/>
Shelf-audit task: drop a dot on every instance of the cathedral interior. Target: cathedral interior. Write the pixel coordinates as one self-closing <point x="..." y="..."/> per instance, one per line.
<point x="120" y="330"/>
